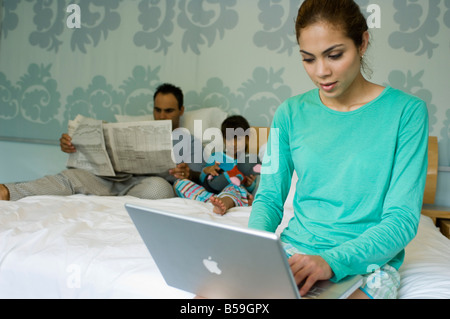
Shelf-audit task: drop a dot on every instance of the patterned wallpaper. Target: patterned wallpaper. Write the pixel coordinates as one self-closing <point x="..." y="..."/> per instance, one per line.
<point x="60" y="58"/>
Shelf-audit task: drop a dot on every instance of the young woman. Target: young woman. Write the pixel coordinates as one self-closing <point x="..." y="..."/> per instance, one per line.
<point x="360" y="153"/>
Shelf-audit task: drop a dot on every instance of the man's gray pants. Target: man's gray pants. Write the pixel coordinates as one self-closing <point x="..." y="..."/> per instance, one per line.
<point x="78" y="181"/>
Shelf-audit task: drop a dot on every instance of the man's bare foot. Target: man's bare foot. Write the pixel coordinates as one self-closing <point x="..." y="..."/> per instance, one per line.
<point x="221" y="205"/>
<point x="4" y="192"/>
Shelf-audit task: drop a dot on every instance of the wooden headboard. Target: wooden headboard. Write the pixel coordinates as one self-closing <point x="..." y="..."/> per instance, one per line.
<point x="258" y="137"/>
<point x="429" y="209"/>
<point x="433" y="163"/>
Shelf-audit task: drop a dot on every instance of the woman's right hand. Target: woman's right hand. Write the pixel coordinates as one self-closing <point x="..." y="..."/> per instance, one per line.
<point x="308" y="270"/>
<point x="66" y="144"/>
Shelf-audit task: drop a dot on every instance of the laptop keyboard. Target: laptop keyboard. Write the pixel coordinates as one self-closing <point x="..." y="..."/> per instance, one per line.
<point x="314" y="292"/>
<point x="317" y="289"/>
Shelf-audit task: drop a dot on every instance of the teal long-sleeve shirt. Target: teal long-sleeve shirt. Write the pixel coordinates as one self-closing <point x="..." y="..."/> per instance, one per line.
<point x="361" y="179"/>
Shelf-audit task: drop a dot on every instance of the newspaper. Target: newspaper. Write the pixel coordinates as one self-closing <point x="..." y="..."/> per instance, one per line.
<point x="91" y="155"/>
<point x="106" y="149"/>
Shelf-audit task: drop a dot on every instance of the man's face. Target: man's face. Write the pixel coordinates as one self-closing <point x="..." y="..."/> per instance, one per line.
<point x="166" y="108"/>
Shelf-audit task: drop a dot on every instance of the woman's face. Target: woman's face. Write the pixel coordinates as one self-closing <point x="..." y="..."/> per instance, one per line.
<point x="331" y="59"/>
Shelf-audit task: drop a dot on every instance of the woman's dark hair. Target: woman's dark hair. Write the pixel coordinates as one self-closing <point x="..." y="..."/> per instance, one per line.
<point x="167" y="88"/>
<point x="343" y="14"/>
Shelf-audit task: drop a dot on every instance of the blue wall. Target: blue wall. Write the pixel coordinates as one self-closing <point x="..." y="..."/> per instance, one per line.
<point x="240" y="56"/>
<point x="23" y="161"/>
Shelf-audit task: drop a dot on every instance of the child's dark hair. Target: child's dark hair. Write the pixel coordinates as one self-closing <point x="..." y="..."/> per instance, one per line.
<point x="235" y="122"/>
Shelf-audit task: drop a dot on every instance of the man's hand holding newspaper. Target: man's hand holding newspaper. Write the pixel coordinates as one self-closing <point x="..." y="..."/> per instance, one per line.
<point x="104" y="149"/>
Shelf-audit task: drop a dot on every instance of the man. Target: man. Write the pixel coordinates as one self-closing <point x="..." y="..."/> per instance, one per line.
<point x="168" y="105"/>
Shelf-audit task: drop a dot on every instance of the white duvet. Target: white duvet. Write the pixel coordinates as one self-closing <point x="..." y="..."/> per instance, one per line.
<point x="87" y="247"/>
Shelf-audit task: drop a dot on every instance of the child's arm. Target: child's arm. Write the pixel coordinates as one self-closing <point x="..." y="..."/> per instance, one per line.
<point x="211" y="170"/>
<point x="250" y="183"/>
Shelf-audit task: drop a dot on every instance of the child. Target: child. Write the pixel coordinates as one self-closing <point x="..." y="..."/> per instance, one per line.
<point x="228" y="178"/>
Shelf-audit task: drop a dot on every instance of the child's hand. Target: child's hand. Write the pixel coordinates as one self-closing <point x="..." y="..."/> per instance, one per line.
<point x="249" y="180"/>
<point x="212" y="170"/>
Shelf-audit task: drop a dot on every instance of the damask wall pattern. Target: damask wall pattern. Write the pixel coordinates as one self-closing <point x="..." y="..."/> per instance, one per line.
<point x="239" y="55"/>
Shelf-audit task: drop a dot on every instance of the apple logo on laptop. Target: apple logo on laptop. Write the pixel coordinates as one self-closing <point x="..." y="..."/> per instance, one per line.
<point x="212" y="266"/>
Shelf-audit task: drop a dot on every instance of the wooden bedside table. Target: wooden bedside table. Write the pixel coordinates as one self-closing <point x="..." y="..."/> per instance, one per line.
<point x="440" y="215"/>
<point x="444" y="225"/>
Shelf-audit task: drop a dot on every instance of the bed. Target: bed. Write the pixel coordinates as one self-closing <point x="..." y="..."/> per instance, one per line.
<point x="87" y="247"/>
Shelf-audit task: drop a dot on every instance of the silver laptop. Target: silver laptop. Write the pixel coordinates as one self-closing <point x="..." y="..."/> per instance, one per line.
<point x="219" y="261"/>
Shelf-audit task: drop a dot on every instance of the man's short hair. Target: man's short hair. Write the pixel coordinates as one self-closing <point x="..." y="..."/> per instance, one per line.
<point x="167" y="88"/>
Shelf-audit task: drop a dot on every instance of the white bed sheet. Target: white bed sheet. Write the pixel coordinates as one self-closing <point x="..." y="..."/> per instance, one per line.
<point x="87" y="247"/>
